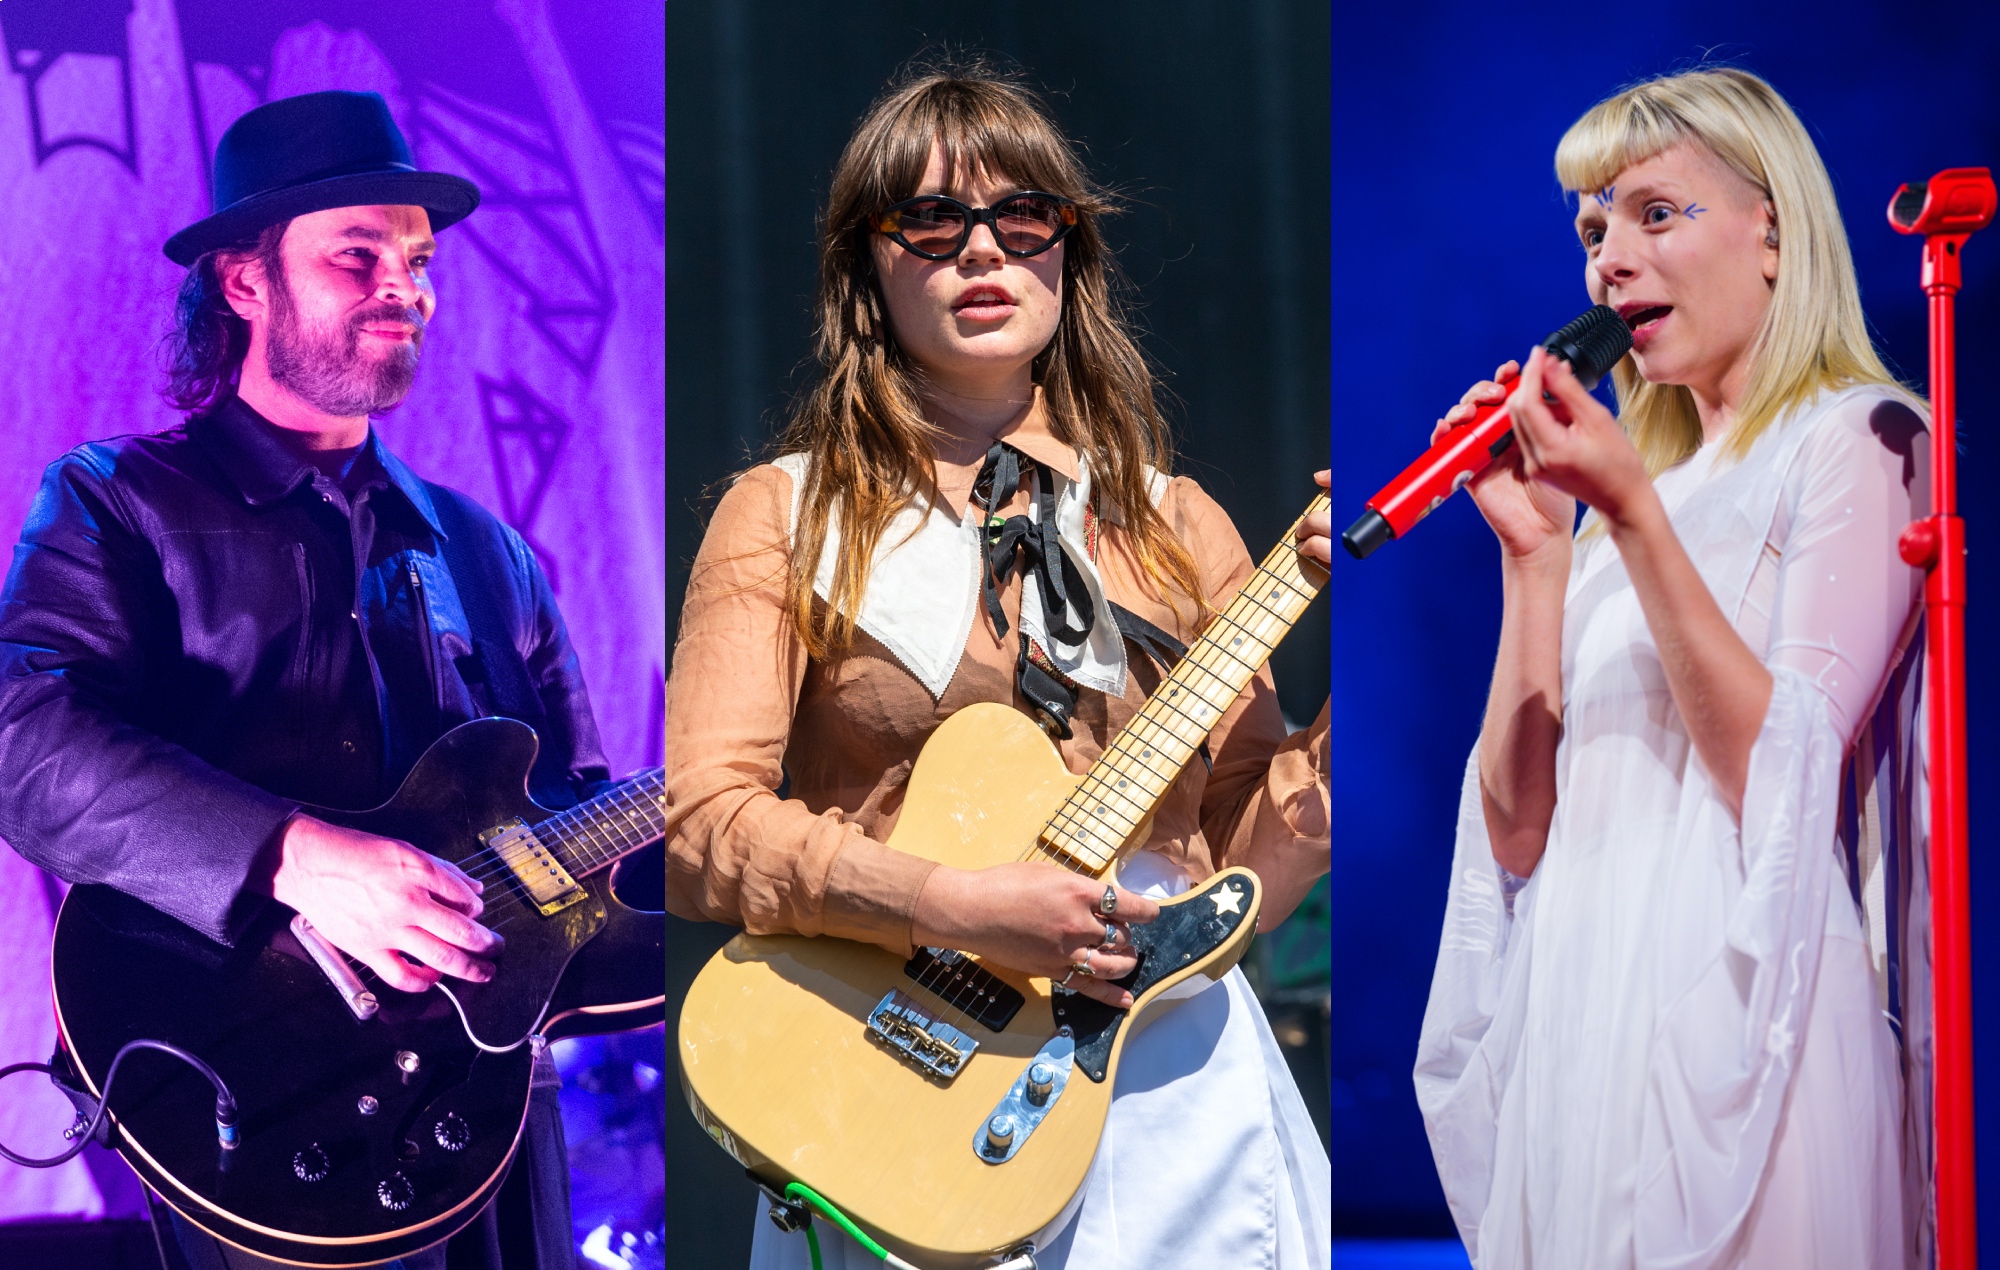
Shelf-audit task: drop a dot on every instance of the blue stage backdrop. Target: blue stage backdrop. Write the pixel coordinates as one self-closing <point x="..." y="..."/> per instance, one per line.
<point x="1451" y="251"/>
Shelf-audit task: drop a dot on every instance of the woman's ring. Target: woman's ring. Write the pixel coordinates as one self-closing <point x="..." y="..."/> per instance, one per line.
<point x="1109" y="904"/>
<point x="1110" y="935"/>
<point x="1071" y="975"/>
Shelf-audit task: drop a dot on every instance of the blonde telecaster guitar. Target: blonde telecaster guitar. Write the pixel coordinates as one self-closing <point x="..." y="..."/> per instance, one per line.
<point x="951" y="1108"/>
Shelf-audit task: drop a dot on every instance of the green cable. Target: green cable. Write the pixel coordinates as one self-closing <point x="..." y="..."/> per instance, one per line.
<point x="799" y="1190"/>
<point x="812" y="1244"/>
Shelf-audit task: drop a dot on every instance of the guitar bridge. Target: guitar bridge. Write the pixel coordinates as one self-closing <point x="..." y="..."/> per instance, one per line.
<point x="548" y="884"/>
<point x="910" y="1030"/>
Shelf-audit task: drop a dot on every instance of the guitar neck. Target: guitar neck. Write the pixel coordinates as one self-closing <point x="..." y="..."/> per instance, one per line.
<point x="596" y="834"/>
<point x="1121" y="790"/>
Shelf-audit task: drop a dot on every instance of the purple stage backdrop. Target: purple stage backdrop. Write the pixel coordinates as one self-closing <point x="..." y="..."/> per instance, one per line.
<point x="541" y="393"/>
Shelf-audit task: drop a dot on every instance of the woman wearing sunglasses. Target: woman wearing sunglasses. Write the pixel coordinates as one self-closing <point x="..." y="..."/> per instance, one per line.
<point x="978" y="478"/>
<point x="1682" y="986"/>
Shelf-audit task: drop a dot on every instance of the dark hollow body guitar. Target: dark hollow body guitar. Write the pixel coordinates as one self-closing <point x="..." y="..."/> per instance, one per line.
<point x="367" y="1138"/>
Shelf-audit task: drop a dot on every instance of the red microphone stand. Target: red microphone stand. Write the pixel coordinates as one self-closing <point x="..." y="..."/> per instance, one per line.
<point x="1946" y="210"/>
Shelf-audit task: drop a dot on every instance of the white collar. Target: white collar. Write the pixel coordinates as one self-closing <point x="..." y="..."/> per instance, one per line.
<point x="922" y="595"/>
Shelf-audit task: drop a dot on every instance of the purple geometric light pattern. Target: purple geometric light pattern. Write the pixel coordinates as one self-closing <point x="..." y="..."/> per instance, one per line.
<point x="527" y="436"/>
<point x="643" y="151"/>
<point x="76" y="65"/>
<point x="528" y="210"/>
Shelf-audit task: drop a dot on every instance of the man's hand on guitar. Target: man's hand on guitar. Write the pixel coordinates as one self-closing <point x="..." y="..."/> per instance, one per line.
<point x="407" y="915"/>
<point x="1033" y="917"/>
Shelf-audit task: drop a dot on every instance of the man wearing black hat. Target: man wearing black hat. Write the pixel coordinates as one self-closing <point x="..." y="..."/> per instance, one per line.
<point x="263" y="607"/>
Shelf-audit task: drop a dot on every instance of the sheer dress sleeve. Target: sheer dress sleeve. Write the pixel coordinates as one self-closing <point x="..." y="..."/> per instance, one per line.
<point x="1844" y="596"/>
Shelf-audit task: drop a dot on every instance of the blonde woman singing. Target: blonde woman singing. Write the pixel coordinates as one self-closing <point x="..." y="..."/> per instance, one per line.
<point x="848" y="598"/>
<point x="1671" y="1011"/>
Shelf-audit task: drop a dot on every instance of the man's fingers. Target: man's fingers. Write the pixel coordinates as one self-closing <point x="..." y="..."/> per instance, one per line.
<point x="439" y="955"/>
<point x="459" y="931"/>
<point x="399" y="974"/>
<point x="455" y="886"/>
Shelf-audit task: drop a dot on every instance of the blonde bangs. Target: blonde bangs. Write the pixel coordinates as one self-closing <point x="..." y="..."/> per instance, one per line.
<point x="1613" y="136"/>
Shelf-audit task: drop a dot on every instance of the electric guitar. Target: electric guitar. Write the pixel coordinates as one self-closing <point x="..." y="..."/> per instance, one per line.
<point x="372" y="1122"/>
<point x="952" y="1108"/>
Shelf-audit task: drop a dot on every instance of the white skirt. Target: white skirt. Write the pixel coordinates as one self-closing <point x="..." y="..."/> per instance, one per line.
<point x="1208" y="1156"/>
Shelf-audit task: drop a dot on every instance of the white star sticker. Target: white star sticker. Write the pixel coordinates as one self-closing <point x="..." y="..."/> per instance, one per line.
<point x="1226" y="900"/>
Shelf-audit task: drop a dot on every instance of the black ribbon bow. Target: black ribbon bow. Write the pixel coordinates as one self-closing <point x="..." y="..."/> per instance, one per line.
<point x="1032" y="545"/>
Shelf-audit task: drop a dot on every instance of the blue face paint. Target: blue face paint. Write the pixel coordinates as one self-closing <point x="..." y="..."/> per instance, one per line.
<point x="1691" y="211"/>
<point x="1605" y="195"/>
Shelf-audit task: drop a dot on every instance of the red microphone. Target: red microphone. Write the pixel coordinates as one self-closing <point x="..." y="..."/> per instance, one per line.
<point x="1592" y="345"/>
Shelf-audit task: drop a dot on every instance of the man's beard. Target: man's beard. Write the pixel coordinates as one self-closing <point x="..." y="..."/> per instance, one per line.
<point x="326" y="369"/>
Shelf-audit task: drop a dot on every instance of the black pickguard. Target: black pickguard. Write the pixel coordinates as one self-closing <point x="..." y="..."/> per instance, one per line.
<point x="1183" y="934"/>
<point x="299" y="1062"/>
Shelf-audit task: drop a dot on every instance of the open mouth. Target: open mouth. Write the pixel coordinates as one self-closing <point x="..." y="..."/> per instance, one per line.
<point x="1640" y="316"/>
<point x="984" y="298"/>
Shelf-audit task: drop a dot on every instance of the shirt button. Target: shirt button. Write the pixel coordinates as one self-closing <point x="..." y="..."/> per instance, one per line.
<point x="356" y="616"/>
<point x="348" y="746"/>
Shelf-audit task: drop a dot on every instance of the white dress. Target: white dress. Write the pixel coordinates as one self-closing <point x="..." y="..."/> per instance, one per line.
<point x="1669" y="1047"/>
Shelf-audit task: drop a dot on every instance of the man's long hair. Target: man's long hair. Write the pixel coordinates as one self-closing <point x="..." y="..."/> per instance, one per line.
<point x="205" y="349"/>
<point x="870" y="444"/>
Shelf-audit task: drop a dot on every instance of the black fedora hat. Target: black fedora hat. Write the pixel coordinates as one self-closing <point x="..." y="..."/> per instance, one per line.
<point x="309" y="153"/>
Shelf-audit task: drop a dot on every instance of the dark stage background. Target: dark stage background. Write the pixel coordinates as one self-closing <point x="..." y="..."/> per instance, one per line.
<point x="1451" y="251"/>
<point x="1211" y="119"/>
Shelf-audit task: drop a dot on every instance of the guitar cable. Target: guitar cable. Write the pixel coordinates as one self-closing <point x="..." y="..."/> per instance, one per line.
<point x="798" y="1195"/>
<point x="225" y="1102"/>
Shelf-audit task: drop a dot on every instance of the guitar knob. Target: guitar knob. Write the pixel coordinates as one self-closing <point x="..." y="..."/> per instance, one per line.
<point x="999" y="1134"/>
<point x="311" y="1164"/>
<point x="452" y="1133"/>
<point x="395" y="1192"/>
<point x="1041" y="1079"/>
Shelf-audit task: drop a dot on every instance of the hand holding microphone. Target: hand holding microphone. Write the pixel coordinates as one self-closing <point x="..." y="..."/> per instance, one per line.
<point x="1591" y="345"/>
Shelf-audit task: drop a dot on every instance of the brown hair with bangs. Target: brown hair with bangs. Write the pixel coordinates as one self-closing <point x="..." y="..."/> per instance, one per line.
<point x="861" y="423"/>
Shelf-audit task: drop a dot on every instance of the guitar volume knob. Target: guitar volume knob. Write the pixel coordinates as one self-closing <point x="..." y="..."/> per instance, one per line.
<point x="999" y="1134"/>
<point x="452" y="1133"/>
<point x="1040" y="1083"/>
<point x="311" y="1164"/>
<point x="395" y="1192"/>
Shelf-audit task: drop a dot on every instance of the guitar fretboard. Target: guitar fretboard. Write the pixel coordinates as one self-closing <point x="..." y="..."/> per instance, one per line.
<point x="1127" y="782"/>
<point x="617" y="822"/>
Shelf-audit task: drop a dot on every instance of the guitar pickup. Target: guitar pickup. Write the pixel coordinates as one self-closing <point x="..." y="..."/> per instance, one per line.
<point x="906" y="1027"/>
<point x="549" y="886"/>
<point x="965" y="985"/>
